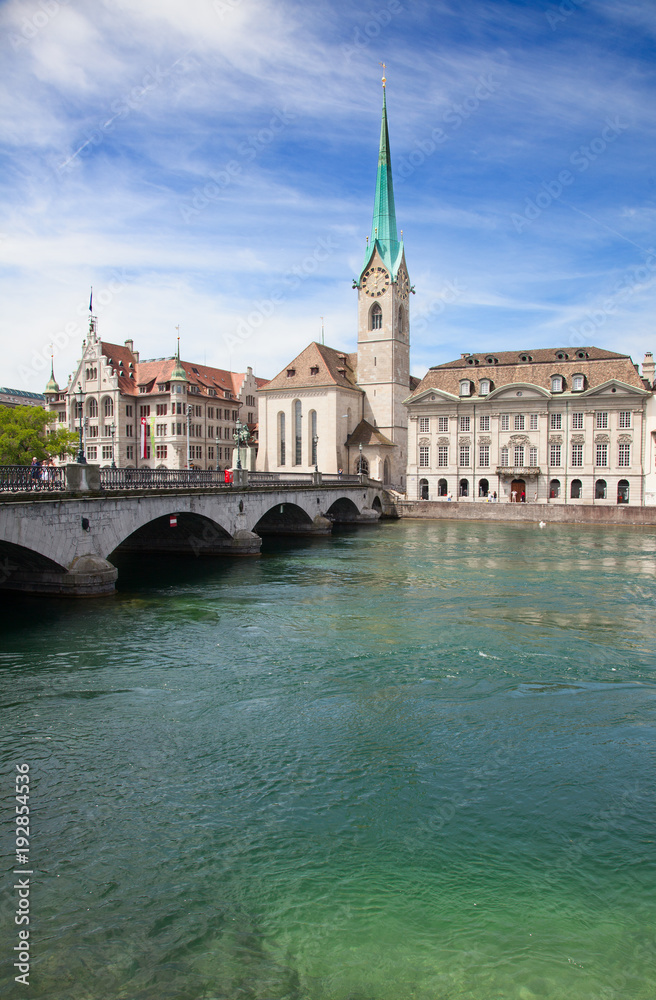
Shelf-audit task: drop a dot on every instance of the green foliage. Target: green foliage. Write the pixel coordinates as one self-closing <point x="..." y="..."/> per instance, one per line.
<point x="24" y="434"/>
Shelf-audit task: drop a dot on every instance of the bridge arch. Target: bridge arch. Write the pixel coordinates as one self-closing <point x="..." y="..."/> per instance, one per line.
<point x="185" y="533"/>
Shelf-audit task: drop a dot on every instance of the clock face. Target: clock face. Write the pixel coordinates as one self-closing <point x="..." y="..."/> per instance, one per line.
<point x="403" y="285"/>
<point x="375" y="281"/>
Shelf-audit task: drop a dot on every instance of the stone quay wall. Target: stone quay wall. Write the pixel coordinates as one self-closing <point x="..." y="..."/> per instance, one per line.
<point x="551" y="513"/>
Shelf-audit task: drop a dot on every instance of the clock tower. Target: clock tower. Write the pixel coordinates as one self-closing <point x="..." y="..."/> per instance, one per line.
<point x="383" y="370"/>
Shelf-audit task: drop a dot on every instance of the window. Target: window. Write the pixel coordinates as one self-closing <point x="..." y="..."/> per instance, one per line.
<point x="442" y="488"/>
<point x="533" y="422"/>
<point x="250" y="401"/>
<point x="556" y="383"/>
<point x="623" y="491"/>
<point x="424" y="425"/>
<point x="443" y="456"/>
<point x="465" y="387"/>
<point x="554" y="488"/>
<point x="129" y="451"/>
<point x="625" y="418"/>
<point x="577" y="455"/>
<point x="298" y="435"/>
<point x="533" y="457"/>
<point x="601" y="420"/>
<point x="424" y="460"/>
<point x="464" y="488"/>
<point x="600" y="489"/>
<point x="92" y="454"/>
<point x="484" y="387"/>
<point x="160" y="430"/>
<point x="109" y="407"/>
<point x="210" y="431"/>
<point x="210" y="453"/>
<point x="602" y="455"/>
<point x="464" y="455"/>
<point x="423" y="489"/>
<point x="577" y="421"/>
<point x="210" y="412"/>
<point x="578" y="383"/>
<point x="107" y="452"/>
<point x="484" y="423"/>
<point x="314" y="440"/>
<point x="519" y="455"/>
<point x="281" y="438"/>
<point x="92" y="407"/>
<point x="226" y="414"/>
<point x="554" y="454"/>
<point x="92" y="431"/>
<point x="376" y="317"/>
<point x="144" y="411"/>
<point x="624" y="457"/>
<point x="519" y="422"/>
<point x="443" y="425"/>
<point x="128" y="430"/>
<point x="483" y="487"/>
<point x="503" y="456"/>
<point x="504" y="421"/>
<point x="576" y="489"/>
<point x="465" y="423"/>
<point x="484" y="456"/>
<point x="314" y="370"/>
<point x="556" y="421"/>
<point x="161" y="409"/>
<point x="290" y="373"/>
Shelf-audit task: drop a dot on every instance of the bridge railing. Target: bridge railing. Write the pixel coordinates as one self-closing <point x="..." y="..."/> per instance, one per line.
<point x="140" y="479"/>
<point x="23" y="478"/>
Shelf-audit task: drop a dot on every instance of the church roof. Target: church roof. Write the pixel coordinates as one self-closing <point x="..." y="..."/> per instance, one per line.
<point x="533" y="367"/>
<point x="384" y="236"/>
<point x="365" y="434"/>
<point x="317" y="365"/>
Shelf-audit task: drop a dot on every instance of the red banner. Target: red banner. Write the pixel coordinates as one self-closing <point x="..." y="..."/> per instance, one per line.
<point x="144" y="437"/>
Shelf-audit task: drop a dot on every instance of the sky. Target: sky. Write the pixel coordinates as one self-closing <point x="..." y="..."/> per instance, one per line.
<point x="211" y="165"/>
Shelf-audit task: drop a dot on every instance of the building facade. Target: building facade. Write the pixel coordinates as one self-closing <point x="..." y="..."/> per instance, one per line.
<point x="549" y="425"/>
<point x="334" y="410"/>
<point x="162" y="413"/>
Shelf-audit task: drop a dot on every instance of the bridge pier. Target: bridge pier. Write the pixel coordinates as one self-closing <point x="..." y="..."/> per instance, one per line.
<point x="87" y="576"/>
<point x="319" y="527"/>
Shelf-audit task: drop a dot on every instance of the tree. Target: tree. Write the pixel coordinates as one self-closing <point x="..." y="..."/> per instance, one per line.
<point x="25" y="432"/>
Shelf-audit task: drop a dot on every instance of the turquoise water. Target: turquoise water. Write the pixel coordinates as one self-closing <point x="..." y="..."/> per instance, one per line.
<point x="409" y="761"/>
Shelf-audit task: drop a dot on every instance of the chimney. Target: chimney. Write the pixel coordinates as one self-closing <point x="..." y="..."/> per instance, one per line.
<point x="130" y="345"/>
<point x="465" y="354"/>
<point x="648" y="367"/>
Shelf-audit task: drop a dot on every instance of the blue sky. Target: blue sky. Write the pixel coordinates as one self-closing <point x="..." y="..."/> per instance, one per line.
<point x="211" y="164"/>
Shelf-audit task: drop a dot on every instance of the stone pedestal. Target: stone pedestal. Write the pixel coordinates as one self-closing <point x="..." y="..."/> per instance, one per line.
<point x="83" y="478"/>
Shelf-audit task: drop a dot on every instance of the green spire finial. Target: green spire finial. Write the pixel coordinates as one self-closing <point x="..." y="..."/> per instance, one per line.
<point x="52" y="383"/>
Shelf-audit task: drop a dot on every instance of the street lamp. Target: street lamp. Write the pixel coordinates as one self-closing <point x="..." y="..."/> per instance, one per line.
<point x="240" y="436"/>
<point x="217" y="452"/>
<point x="113" y="430"/>
<point x="80" y="399"/>
<point x="360" y="459"/>
<point x="315" y="441"/>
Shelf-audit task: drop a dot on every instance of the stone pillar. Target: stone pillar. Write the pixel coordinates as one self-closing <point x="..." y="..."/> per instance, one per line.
<point x="240" y="477"/>
<point x="83" y="478"/>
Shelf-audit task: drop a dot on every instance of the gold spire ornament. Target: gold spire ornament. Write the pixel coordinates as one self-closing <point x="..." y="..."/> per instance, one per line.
<point x="384" y="77"/>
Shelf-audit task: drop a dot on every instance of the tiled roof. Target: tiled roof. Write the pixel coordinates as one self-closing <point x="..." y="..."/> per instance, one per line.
<point x="317" y="365"/>
<point x="365" y="434"/>
<point x="535" y="367"/>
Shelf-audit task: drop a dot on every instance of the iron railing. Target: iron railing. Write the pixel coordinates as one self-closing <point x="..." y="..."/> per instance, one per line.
<point x="143" y="479"/>
<point x="25" y="478"/>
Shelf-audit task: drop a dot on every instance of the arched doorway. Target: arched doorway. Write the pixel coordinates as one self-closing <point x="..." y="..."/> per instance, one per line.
<point x="442" y="488"/>
<point x="463" y="490"/>
<point x="554" y="489"/>
<point x="518" y="487"/>
<point x="623" y="491"/>
<point x="576" y="489"/>
<point x="423" y="489"/>
<point x="483" y="487"/>
<point x="600" y="489"/>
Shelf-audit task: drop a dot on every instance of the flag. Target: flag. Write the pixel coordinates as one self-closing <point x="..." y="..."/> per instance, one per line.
<point x="144" y="437"/>
<point x="91" y="300"/>
<point x="152" y="436"/>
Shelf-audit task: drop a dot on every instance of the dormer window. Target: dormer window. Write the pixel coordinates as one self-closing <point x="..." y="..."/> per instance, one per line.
<point x="490" y="360"/>
<point x="314" y="370"/>
<point x="556" y="383"/>
<point x="578" y="383"/>
<point x="484" y="387"/>
<point x="465" y="387"/>
<point x="525" y="357"/>
<point x="562" y="356"/>
<point x="291" y="372"/>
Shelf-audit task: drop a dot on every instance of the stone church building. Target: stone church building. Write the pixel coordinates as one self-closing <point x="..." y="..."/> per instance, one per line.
<point x="330" y="410"/>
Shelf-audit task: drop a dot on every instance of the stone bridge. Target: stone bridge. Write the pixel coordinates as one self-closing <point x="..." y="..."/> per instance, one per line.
<point x="63" y="545"/>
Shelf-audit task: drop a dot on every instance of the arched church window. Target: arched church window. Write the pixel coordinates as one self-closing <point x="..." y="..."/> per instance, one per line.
<point x="298" y="436"/>
<point x="109" y="406"/>
<point x="376" y="317"/>
<point x="281" y="438"/>
<point x="92" y="407"/>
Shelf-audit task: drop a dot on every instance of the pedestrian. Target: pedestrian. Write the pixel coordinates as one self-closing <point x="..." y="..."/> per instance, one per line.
<point x="339" y="473"/>
<point x="513" y="496"/>
<point x="523" y="496"/>
<point x="535" y="497"/>
<point x="35" y="472"/>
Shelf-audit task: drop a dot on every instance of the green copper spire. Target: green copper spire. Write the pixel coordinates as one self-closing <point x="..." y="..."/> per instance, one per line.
<point x="383" y="227"/>
<point x="178" y="374"/>
<point x="52" y="383"/>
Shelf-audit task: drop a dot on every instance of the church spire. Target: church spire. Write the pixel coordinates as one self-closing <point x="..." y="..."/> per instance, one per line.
<point x="383" y="226"/>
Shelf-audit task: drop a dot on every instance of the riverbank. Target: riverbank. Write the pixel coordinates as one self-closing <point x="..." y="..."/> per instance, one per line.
<point x="622" y="514"/>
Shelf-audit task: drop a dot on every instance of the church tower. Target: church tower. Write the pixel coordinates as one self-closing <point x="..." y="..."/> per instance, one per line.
<point x="383" y="322"/>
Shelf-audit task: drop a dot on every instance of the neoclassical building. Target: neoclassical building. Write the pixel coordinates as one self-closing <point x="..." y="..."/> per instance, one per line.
<point x="337" y="410"/>
<point x="556" y="425"/>
<point x="162" y="413"/>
